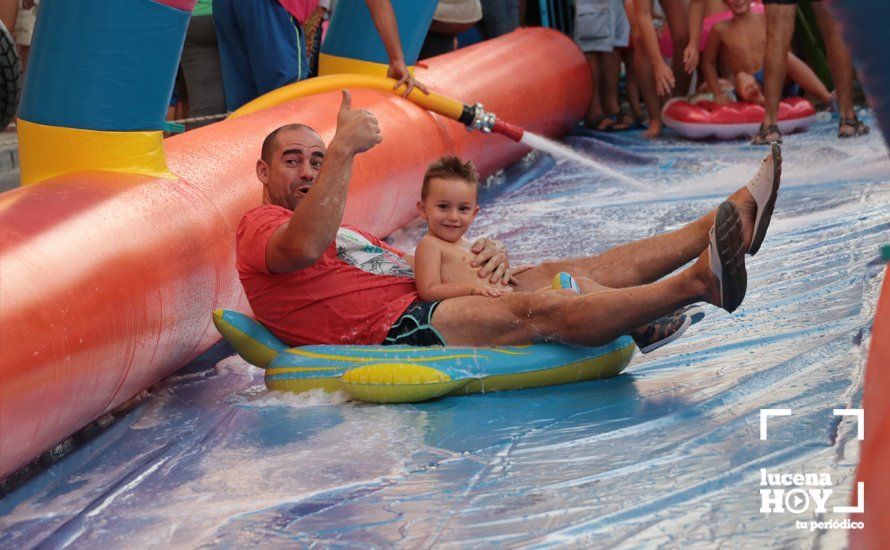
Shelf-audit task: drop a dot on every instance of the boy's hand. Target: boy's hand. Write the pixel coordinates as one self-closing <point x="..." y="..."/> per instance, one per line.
<point x="490" y="292"/>
<point x="664" y="79"/>
<point x="492" y="256"/>
<point x="357" y="131"/>
<point x="690" y="58"/>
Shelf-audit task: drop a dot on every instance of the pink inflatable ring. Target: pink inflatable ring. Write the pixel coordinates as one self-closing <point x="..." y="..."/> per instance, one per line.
<point x="706" y="119"/>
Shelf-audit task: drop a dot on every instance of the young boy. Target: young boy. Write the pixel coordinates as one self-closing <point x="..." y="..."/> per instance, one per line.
<point x="742" y="40"/>
<point x="442" y="270"/>
<point x="448" y="202"/>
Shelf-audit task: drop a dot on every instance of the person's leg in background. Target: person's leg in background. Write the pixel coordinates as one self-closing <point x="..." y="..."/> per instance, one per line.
<point x="237" y="75"/>
<point x="841" y="66"/>
<point x="611" y="68"/>
<point x="595" y="119"/>
<point x="676" y="12"/>
<point x="24" y="30"/>
<point x="645" y="77"/>
<point x="610" y="73"/>
<point x="595" y="33"/>
<point x="274" y="43"/>
<point x="644" y="72"/>
<point x="631" y="87"/>
<point x="779" y="29"/>
<point x="498" y="18"/>
<point x="9" y="10"/>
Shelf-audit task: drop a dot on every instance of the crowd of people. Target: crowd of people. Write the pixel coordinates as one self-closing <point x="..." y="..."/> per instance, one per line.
<point x="733" y="50"/>
<point x="640" y="53"/>
<point x="726" y="50"/>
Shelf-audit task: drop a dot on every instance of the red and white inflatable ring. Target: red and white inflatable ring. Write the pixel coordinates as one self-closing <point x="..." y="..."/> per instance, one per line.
<point x="705" y="119"/>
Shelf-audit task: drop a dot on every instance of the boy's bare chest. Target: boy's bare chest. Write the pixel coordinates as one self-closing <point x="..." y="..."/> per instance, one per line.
<point x="456" y="259"/>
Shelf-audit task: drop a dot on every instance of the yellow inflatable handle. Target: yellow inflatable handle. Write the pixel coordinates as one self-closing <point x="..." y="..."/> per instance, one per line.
<point x="434" y="102"/>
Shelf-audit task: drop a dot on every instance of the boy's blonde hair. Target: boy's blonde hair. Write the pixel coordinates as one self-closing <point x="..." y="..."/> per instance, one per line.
<point x="449" y="167"/>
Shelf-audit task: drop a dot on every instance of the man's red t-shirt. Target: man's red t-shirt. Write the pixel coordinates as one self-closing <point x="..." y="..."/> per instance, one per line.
<point x="352" y="295"/>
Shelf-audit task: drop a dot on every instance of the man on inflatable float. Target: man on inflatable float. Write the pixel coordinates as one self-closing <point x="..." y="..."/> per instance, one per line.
<point x="311" y="281"/>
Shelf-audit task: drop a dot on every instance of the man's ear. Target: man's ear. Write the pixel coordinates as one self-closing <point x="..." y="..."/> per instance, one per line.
<point x="421" y="210"/>
<point x="262" y="171"/>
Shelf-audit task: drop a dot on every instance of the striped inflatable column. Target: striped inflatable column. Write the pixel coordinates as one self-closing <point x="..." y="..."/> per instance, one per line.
<point x="98" y="85"/>
<point x="352" y="44"/>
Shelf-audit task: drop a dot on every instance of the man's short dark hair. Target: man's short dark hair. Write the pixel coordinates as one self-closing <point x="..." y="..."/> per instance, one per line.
<point x="449" y="167"/>
<point x="269" y="142"/>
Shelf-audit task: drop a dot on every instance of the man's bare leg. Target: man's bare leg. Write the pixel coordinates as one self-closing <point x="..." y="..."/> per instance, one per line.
<point x="589" y="320"/>
<point x="646" y="260"/>
<point x="779" y="28"/>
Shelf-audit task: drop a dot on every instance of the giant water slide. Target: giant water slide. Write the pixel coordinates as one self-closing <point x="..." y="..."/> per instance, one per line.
<point x="120" y="247"/>
<point x="107" y="280"/>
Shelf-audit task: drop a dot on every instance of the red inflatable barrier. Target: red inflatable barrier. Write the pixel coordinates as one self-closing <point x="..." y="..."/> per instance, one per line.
<point x="108" y="281"/>
<point x="706" y="119"/>
<point x="873" y="471"/>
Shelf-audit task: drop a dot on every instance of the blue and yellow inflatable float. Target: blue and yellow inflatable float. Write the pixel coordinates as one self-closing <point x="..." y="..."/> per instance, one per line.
<point x="406" y="374"/>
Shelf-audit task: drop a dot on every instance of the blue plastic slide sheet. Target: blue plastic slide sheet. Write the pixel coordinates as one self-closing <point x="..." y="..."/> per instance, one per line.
<point x="668" y="453"/>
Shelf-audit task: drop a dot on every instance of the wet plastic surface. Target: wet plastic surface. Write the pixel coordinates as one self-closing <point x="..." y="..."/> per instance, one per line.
<point x="667" y="453"/>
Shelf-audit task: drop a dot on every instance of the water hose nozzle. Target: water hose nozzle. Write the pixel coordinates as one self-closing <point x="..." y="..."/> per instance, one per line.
<point x="509" y="130"/>
<point x="474" y="117"/>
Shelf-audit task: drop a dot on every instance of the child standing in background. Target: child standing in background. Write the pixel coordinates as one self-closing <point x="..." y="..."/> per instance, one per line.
<point x="601" y="27"/>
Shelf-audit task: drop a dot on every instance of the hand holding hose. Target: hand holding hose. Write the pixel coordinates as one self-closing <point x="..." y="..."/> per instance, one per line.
<point x="399" y="71"/>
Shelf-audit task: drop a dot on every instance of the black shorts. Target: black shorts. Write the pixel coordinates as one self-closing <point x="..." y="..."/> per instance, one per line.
<point x="415" y="327"/>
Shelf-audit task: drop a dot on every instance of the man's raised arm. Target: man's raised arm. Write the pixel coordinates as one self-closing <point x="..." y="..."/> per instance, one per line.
<point x="302" y="241"/>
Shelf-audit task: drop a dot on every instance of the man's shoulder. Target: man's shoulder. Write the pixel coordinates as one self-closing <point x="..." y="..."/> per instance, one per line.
<point x="267" y="210"/>
<point x="262" y="216"/>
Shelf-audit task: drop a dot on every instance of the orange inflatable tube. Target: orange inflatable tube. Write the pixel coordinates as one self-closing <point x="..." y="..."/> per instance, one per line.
<point x="875" y="448"/>
<point x="108" y="280"/>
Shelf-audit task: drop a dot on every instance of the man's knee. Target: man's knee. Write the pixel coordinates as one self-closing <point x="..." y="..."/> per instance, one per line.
<point x="539" y="315"/>
<point x="550" y="269"/>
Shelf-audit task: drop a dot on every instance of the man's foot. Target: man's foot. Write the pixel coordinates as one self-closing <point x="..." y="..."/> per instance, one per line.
<point x="851" y="127"/>
<point x="667" y="329"/>
<point x="757" y="199"/>
<point x="726" y="256"/>
<point x="767" y="135"/>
